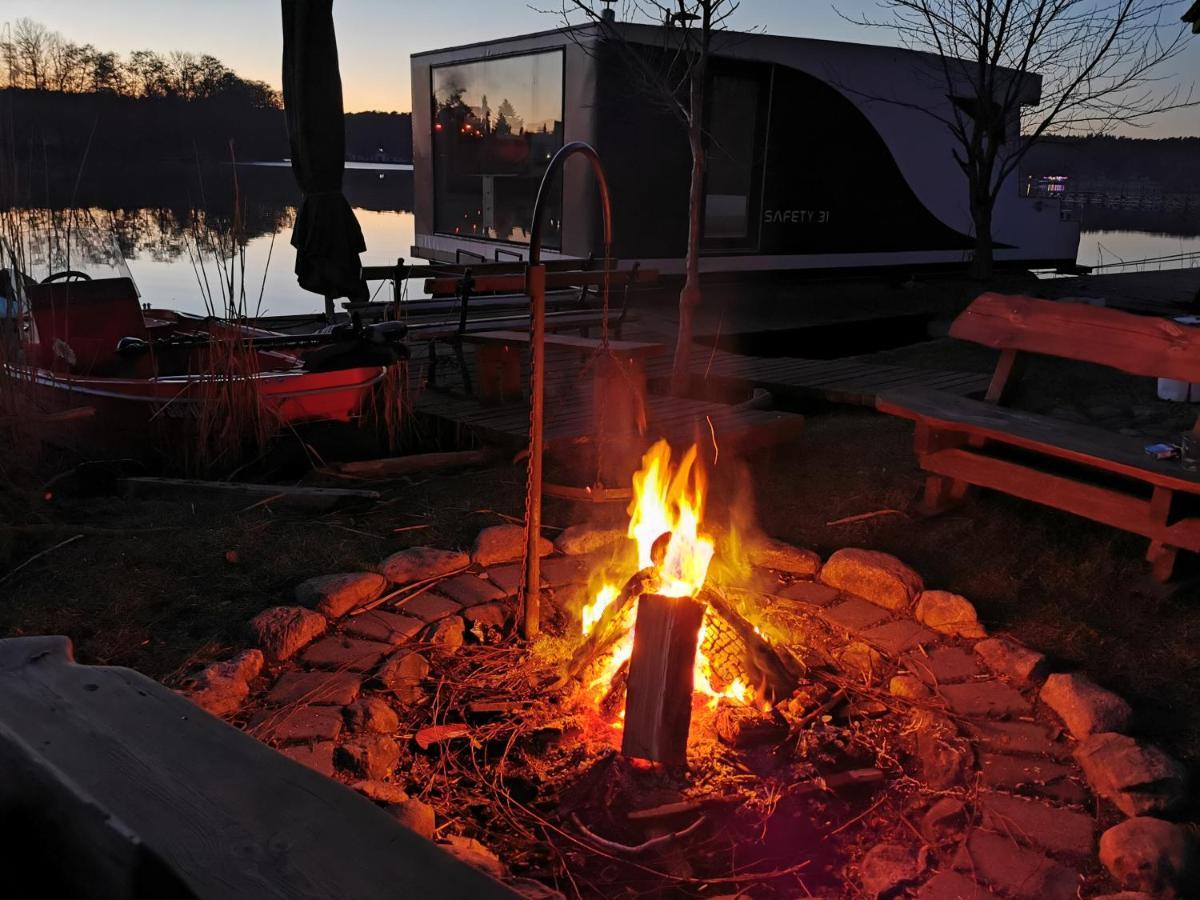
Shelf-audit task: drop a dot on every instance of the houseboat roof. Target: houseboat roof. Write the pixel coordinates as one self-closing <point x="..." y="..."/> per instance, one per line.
<point x="738" y="44"/>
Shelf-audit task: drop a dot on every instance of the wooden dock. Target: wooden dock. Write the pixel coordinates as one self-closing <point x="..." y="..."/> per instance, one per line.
<point x="852" y="380"/>
<point x="570" y="412"/>
<point x="570" y="415"/>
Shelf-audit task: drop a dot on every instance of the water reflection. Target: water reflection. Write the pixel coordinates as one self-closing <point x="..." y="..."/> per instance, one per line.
<point x="181" y="233"/>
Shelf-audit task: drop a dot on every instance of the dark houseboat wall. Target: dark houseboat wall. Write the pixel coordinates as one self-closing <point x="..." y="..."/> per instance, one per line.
<point x="815" y="160"/>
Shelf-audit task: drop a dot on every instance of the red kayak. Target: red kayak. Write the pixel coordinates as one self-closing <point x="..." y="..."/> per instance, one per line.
<point x="91" y="355"/>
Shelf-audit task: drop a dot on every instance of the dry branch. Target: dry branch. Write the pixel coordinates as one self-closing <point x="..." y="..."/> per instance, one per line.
<point x="634" y="849"/>
<point x="395" y="467"/>
<point x="604" y="633"/>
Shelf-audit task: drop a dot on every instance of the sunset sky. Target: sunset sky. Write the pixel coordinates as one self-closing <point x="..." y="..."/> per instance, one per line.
<point x="375" y="37"/>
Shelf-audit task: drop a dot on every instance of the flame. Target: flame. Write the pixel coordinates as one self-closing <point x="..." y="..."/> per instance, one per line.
<point x="671" y="502"/>
<point x="667" y="500"/>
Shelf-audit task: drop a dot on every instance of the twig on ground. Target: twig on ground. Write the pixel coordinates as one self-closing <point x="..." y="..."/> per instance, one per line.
<point x="650" y="844"/>
<point x="39" y="555"/>
<point x="862" y="517"/>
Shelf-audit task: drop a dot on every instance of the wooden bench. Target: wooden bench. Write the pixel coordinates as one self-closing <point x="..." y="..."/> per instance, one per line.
<point x="114" y="786"/>
<point x="1085" y="470"/>
<point x="507" y="312"/>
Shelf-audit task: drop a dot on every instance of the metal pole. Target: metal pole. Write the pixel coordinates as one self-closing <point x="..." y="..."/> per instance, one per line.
<point x="535" y="287"/>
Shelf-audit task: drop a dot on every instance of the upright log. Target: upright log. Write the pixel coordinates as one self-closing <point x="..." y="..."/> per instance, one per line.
<point x="658" y="699"/>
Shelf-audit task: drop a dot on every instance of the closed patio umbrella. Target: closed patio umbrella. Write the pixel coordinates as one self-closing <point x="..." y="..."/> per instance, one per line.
<point x="326" y="235"/>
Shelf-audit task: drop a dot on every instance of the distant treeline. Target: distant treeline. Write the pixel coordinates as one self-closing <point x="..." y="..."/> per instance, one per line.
<point x="1170" y="164"/>
<point x="61" y="102"/>
<point x="379" y="137"/>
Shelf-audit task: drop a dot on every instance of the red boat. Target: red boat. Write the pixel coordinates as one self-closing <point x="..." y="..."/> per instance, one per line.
<point x="88" y="352"/>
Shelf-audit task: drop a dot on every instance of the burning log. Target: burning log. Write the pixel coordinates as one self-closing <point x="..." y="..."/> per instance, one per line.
<point x="778" y="669"/>
<point x="604" y="633"/>
<point x="744" y="726"/>
<point x="658" y="695"/>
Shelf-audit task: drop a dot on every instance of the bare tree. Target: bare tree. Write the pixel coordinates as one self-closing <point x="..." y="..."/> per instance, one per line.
<point x="674" y="77"/>
<point x="150" y="75"/>
<point x="31" y="44"/>
<point x="1098" y="62"/>
<point x="67" y="65"/>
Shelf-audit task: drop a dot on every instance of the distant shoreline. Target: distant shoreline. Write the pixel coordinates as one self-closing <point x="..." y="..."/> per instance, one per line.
<point x="369" y="166"/>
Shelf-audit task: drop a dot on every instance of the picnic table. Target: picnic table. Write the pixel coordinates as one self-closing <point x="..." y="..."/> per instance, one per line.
<point x="1082" y="469"/>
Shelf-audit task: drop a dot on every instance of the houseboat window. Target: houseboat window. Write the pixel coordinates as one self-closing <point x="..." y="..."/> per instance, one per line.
<point x="496" y="125"/>
<point x="733" y="138"/>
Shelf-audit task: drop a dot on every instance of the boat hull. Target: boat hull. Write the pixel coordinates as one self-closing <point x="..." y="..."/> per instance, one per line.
<point x="129" y="414"/>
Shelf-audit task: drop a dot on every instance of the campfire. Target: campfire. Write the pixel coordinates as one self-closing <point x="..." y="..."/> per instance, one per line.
<point x="706" y="709"/>
<point x="656" y="636"/>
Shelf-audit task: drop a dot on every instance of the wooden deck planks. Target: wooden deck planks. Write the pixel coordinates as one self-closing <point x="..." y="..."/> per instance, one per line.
<point x="833" y="378"/>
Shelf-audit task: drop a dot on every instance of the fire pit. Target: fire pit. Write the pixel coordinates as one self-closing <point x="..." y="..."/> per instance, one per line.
<point x="707" y="712"/>
<point x="670" y="638"/>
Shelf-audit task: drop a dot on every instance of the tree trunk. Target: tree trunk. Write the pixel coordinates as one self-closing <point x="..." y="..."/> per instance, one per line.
<point x="981" y="263"/>
<point x="689" y="297"/>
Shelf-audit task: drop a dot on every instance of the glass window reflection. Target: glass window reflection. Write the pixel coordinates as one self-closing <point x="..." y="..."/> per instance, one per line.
<point x="496" y="125"/>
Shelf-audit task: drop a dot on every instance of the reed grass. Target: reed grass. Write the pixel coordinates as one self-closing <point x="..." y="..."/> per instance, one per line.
<point x="228" y="423"/>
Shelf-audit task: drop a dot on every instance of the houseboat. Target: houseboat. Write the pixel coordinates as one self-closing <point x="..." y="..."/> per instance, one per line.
<point x="821" y="156"/>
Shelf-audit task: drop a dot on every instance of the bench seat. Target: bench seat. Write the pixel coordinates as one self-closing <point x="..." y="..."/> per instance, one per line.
<point x="1086" y="444"/>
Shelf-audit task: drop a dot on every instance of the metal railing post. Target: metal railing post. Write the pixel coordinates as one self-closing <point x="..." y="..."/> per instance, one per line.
<point x="535" y="287"/>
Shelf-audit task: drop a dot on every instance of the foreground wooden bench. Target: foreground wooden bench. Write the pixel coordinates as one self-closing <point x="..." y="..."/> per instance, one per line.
<point x="113" y="786"/>
<point x="1098" y="474"/>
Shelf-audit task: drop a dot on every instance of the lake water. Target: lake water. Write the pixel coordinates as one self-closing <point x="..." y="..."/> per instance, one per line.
<point x="166" y="229"/>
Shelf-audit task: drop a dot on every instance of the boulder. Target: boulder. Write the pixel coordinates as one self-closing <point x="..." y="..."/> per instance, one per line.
<point x="473" y="853"/>
<point x="403" y="673"/>
<point x="446" y="636"/>
<point x="283" y="631"/>
<point x="943" y="761"/>
<point x="950" y="614"/>
<point x="1011" y="660"/>
<point x="945" y="819"/>
<point x="371" y="714"/>
<point x="487" y="615"/>
<point x="381" y="791"/>
<point x="1139" y="779"/>
<point x="887" y="867"/>
<point x="582" y="539"/>
<point x="373" y="756"/>
<point x="878" y="577"/>
<point x="860" y="660"/>
<point x="246" y="666"/>
<point x="1084" y="706"/>
<point x="221" y="688"/>
<point x="768" y="553"/>
<point x="1150" y="855"/>
<point x="909" y="687"/>
<point x="336" y="595"/>
<point x="422" y="563"/>
<point x="415" y="816"/>
<point x="504" y="543"/>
